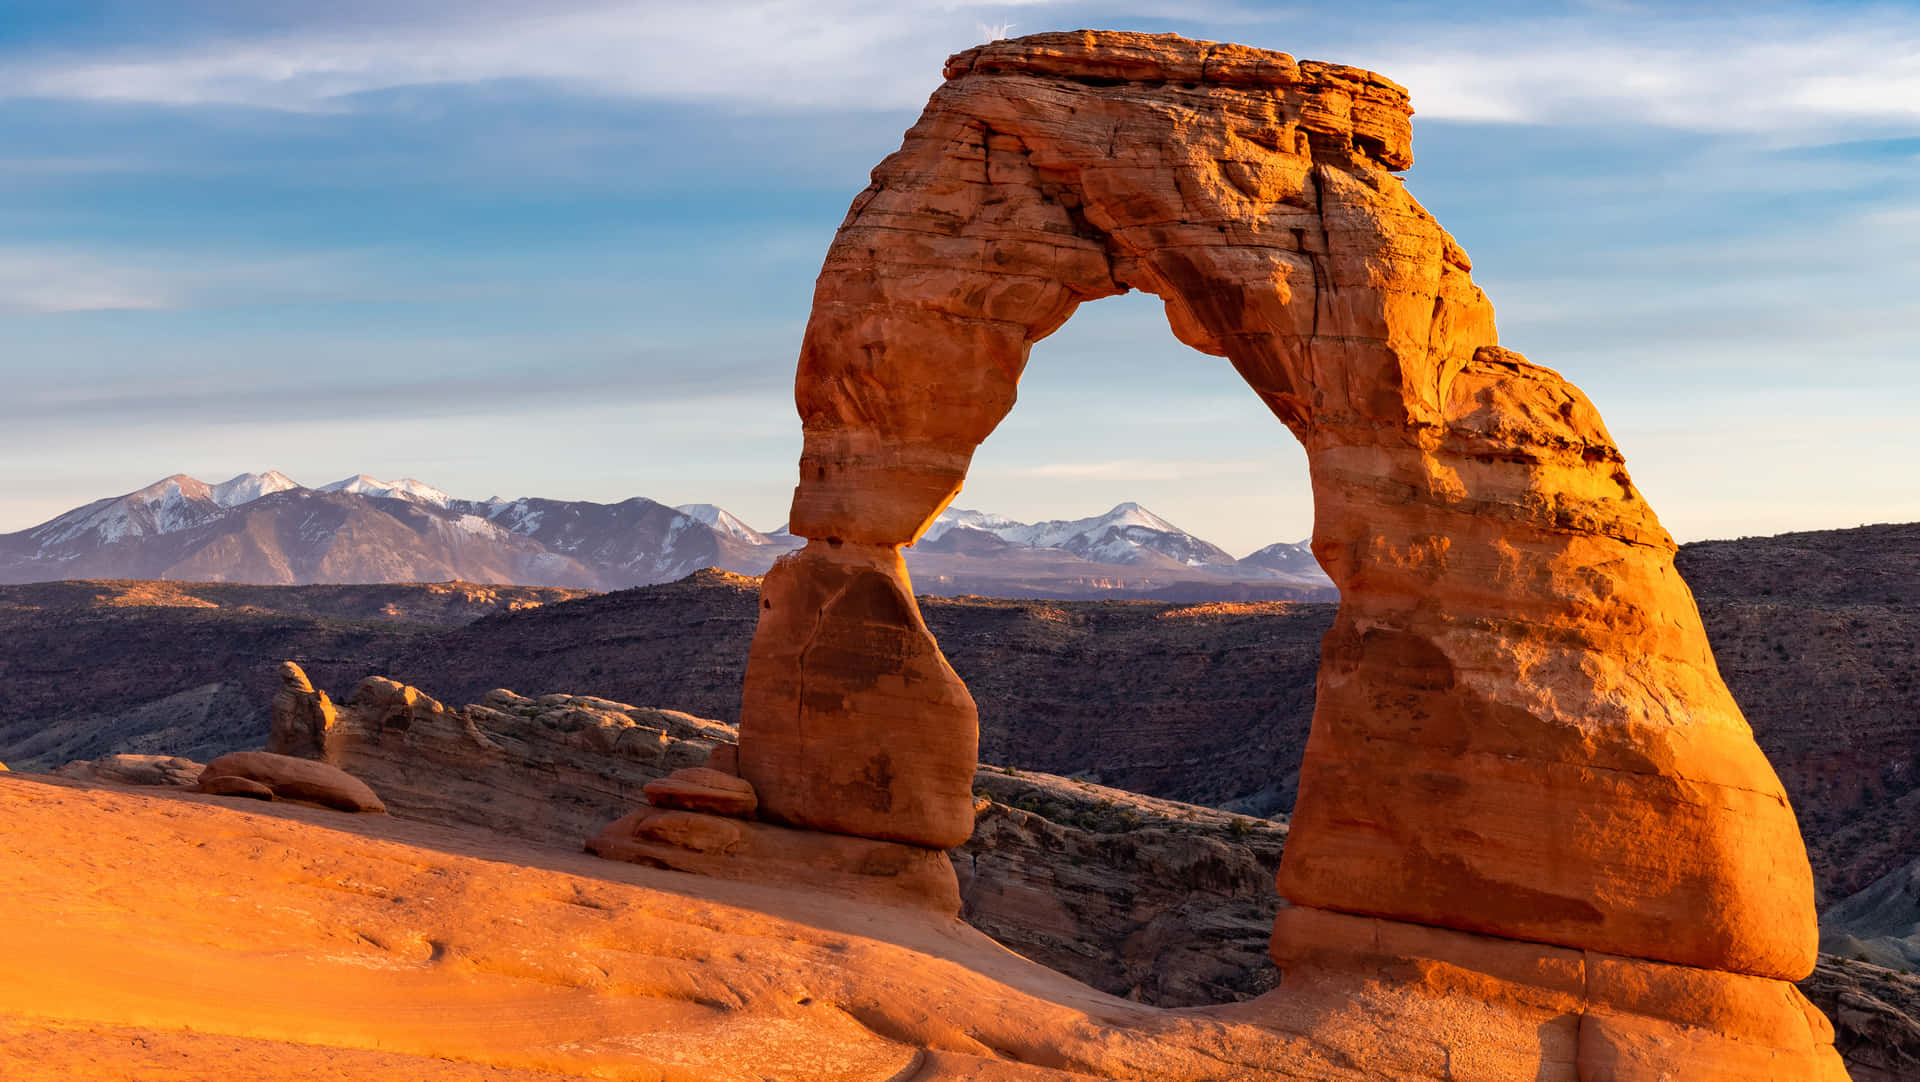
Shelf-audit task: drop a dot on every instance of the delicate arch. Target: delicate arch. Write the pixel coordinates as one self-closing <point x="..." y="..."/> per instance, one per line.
<point x="1520" y="730"/>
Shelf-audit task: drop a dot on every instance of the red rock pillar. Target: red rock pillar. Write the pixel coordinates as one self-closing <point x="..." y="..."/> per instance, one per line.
<point x="945" y="272"/>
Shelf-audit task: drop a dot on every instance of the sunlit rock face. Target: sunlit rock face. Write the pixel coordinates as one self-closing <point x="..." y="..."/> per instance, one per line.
<point x="1520" y="731"/>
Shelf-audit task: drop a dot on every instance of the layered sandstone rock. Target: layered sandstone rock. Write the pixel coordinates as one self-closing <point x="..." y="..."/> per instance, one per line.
<point x="865" y="869"/>
<point x="135" y="770"/>
<point x="703" y="789"/>
<point x="1519" y="729"/>
<point x="301" y="716"/>
<point x="265" y="775"/>
<point x="552" y="769"/>
<point x="860" y="726"/>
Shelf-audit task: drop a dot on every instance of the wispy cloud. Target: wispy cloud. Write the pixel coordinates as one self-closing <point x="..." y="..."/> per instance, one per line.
<point x="1808" y="72"/>
<point x="1790" y="70"/>
<point x="51" y="280"/>
<point x="777" y="53"/>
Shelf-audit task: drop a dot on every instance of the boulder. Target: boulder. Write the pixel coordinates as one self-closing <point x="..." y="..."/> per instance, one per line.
<point x="288" y="778"/>
<point x="700" y="789"/>
<point x="234" y="785"/>
<point x="389" y="704"/>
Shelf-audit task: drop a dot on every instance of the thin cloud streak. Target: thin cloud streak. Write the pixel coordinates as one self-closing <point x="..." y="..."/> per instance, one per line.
<point x="768" y="53"/>
<point x="42" y="282"/>
<point x="1796" y="74"/>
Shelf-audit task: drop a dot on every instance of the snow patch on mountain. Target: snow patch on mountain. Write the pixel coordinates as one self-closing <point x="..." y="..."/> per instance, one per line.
<point x="723" y="522"/>
<point x="249" y="487"/>
<point x="480" y="527"/>
<point x="166" y="506"/>
<point x="1288" y="558"/>
<point x="404" y="489"/>
<point x="952" y="517"/>
<point x="1060" y="533"/>
<point x="1128" y="534"/>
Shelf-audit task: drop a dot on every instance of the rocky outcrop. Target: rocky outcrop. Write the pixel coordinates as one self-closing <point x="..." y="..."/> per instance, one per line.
<point x="1519" y="733"/>
<point x="864" y="869"/>
<point x="300" y="716"/>
<point x="553" y="769"/>
<point x="1876" y="1016"/>
<point x="171" y="770"/>
<point x="264" y="775"/>
<point x="1157" y="901"/>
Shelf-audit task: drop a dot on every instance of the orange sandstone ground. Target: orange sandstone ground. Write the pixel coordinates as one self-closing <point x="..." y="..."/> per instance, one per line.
<point x="185" y="936"/>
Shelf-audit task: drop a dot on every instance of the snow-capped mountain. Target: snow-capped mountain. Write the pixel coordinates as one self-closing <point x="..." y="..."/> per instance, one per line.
<point x="267" y="528"/>
<point x="249" y="487"/>
<point x="1288" y="558"/>
<point x="404" y="489"/>
<point x="1128" y="535"/>
<point x="725" y="523"/>
<point x="166" y="506"/>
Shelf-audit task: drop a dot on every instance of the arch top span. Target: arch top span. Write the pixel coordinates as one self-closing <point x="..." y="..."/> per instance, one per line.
<point x="1332" y="99"/>
<point x="1253" y="194"/>
<point x="1519" y="729"/>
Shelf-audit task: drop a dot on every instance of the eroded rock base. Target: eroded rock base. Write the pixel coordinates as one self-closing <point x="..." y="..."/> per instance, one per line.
<point x="1543" y="1013"/>
<point x="726" y="848"/>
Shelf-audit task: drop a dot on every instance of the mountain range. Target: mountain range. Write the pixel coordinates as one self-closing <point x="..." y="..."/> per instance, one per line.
<point x="266" y="528"/>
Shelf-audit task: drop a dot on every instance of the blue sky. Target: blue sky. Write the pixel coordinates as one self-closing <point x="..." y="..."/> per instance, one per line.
<point x="566" y="249"/>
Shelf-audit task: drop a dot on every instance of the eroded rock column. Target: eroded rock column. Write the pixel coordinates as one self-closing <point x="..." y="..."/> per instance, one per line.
<point x="943" y="275"/>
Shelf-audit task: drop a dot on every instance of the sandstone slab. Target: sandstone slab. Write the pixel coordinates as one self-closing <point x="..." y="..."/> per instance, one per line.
<point x="701" y="789"/>
<point x="235" y="785"/>
<point x="865" y="869"/>
<point x="1591" y="1015"/>
<point x="288" y="778"/>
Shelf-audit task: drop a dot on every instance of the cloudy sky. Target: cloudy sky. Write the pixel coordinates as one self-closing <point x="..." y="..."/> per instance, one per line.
<point x="535" y="247"/>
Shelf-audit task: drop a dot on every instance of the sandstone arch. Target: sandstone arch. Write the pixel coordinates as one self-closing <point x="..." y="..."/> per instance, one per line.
<point x="1520" y="730"/>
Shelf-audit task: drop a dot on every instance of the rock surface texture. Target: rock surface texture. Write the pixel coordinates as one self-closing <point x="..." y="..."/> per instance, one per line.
<point x="552" y="769"/>
<point x="266" y="776"/>
<point x="301" y="716"/>
<point x="1519" y="734"/>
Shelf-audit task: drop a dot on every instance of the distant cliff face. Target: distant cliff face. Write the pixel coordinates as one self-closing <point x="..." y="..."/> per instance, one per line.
<point x="1818" y="635"/>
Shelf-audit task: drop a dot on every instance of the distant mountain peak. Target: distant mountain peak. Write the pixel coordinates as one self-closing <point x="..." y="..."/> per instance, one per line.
<point x="248" y="487"/>
<point x="723" y="521"/>
<point x="266" y="527"/>
<point x="404" y="489"/>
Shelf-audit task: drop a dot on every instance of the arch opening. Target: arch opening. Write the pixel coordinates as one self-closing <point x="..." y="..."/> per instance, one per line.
<point x="1221" y="648"/>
